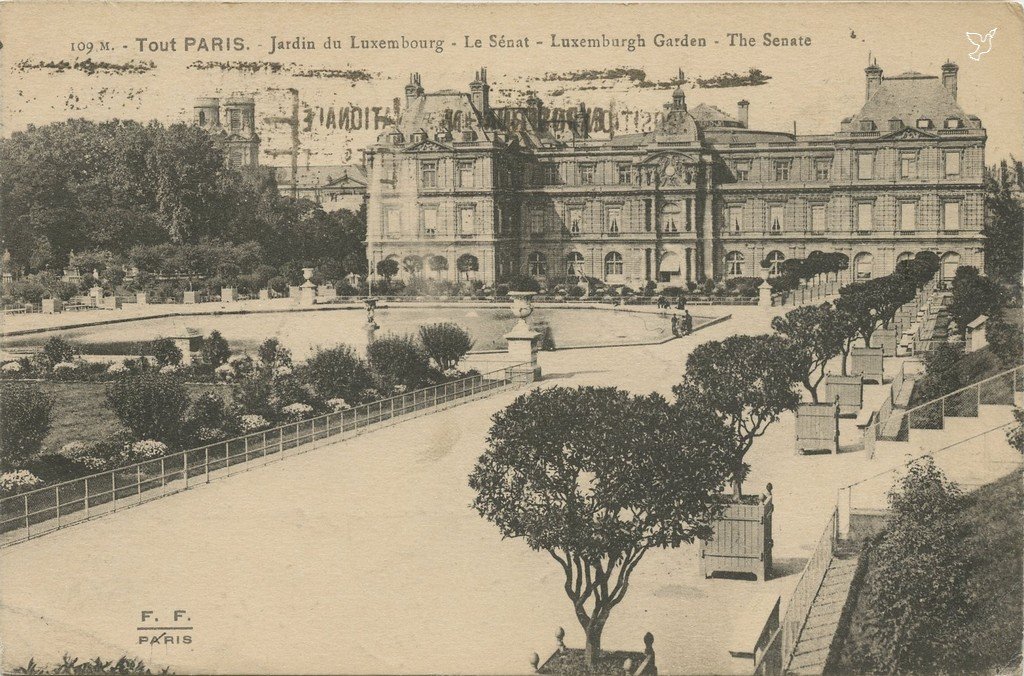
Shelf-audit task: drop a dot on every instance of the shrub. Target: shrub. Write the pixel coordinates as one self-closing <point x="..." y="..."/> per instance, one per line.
<point x="297" y="411"/>
<point x="1005" y="340"/>
<point x="271" y="353"/>
<point x="337" y="372"/>
<point x="25" y="412"/>
<point x="208" y="412"/>
<point x="576" y="292"/>
<point x="251" y="422"/>
<point x="151" y="406"/>
<point x="215" y="349"/>
<point x="523" y="283"/>
<point x="88" y="455"/>
<point x="166" y="352"/>
<point x="398" y="360"/>
<point x="146" y="449"/>
<point x="919" y="578"/>
<point x="58" y="350"/>
<point x="18" y="480"/>
<point x="446" y="343"/>
<point x="65" y="371"/>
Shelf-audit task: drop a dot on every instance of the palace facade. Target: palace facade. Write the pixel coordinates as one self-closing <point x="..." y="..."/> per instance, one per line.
<point x="459" y="189"/>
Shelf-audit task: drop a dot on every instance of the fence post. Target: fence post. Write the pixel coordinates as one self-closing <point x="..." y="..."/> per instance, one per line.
<point x="113" y="489"/>
<point x="184" y="464"/>
<point x="28" y="529"/>
<point x="245" y="441"/>
<point x="264" y="446"/>
<point x="86" y="497"/>
<point x="56" y="490"/>
<point x="978" y="388"/>
<point x="207" y="454"/>
<point x="280" y="441"/>
<point x="138" y="481"/>
<point x="163" y="474"/>
<point x="392" y="407"/>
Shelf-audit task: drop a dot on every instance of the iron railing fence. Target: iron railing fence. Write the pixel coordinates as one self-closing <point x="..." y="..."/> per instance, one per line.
<point x="802" y="599"/>
<point x="33" y="513"/>
<point x="894" y="424"/>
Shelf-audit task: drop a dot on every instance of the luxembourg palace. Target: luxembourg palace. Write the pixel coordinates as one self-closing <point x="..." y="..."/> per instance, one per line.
<point x="459" y="189"/>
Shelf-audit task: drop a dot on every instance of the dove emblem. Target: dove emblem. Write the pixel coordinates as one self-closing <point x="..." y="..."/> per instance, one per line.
<point x="982" y="43"/>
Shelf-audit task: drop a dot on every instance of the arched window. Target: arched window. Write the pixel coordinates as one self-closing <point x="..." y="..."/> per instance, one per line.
<point x="863" y="264"/>
<point x="537" y="264"/>
<point x="734" y="264"/>
<point x="669" y="267"/>
<point x="775" y="259"/>
<point x="905" y="256"/>
<point x="412" y="264"/>
<point x="950" y="262"/>
<point x="574" y="264"/>
<point x="671" y="217"/>
<point x="613" y="264"/>
<point x="437" y="263"/>
<point x="467" y="265"/>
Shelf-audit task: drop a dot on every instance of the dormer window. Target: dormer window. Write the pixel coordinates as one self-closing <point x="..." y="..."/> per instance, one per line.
<point x="895" y="124"/>
<point x="396" y="138"/>
<point x="954" y="123"/>
<point x="867" y="125"/>
<point x="419" y="137"/>
<point x="924" y="123"/>
<point x="469" y="135"/>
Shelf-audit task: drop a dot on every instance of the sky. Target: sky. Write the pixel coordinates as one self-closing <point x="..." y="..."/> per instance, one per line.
<point x="814" y="85"/>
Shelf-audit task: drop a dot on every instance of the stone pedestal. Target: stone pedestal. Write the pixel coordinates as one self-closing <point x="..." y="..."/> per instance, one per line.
<point x="522" y="352"/>
<point x="307" y="293"/>
<point x="228" y="294"/>
<point x="110" y="303"/>
<point x="96" y="296"/>
<point x="141" y="298"/>
<point x="264" y="294"/>
<point x="189" y="341"/>
<point x="294" y="292"/>
<point x="191" y="297"/>
<point x="764" y="294"/>
<point x="52" y="306"/>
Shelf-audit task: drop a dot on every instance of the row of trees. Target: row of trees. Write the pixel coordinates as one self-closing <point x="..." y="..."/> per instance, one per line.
<point x="158" y="197"/>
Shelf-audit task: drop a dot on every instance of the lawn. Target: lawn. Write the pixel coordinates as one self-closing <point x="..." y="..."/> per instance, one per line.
<point x="81" y="412"/>
<point x="995" y="517"/>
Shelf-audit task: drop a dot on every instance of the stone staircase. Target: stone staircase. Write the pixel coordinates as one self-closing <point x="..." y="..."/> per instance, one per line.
<point x="815" y="641"/>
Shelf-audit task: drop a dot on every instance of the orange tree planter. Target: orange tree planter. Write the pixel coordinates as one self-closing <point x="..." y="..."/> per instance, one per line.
<point x="742" y="542"/>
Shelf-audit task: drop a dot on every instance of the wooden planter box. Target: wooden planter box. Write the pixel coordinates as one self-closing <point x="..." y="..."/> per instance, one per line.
<point x="228" y="294"/>
<point x="817" y="428"/>
<point x="867" y="362"/>
<point x="52" y="306"/>
<point x="849" y="390"/>
<point x="191" y="297"/>
<point x="742" y="542"/>
<point x="885" y="339"/>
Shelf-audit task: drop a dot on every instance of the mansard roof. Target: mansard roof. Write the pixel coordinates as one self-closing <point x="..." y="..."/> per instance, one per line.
<point x="707" y="116"/>
<point x="909" y="97"/>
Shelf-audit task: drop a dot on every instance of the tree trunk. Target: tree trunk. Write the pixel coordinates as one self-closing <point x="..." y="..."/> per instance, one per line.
<point x="813" y="389"/>
<point x="737" y="488"/>
<point x="593" y="647"/>
<point x="846" y="354"/>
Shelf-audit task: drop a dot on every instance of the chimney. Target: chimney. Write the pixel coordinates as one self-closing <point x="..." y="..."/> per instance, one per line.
<point x="413" y="90"/>
<point x="480" y="91"/>
<point x="874" y="79"/>
<point x="743" y="113"/>
<point x="949" y="70"/>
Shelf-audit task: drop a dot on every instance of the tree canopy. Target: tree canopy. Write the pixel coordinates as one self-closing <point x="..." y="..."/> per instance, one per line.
<point x="596" y="477"/>
<point x="748" y="381"/>
<point x="817" y="336"/>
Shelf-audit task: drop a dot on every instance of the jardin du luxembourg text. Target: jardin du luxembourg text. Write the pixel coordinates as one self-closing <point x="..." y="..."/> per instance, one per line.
<point x="279" y="44"/>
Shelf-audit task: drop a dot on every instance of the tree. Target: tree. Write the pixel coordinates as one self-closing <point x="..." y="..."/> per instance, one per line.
<point x="748" y="381"/>
<point x="858" y="303"/>
<point x="57" y="350"/>
<point x="387" y="269"/>
<point x="272" y="354"/>
<point x="413" y="265"/>
<point x="467" y="264"/>
<point x="1005" y="340"/>
<point x="1004" y="237"/>
<point x="215" y="349"/>
<point x="973" y="296"/>
<point x="817" y="337"/>
<point x="920" y="577"/>
<point x="596" y="477"/>
<point x="166" y="352"/>
<point x="151" y="405"/>
<point x="446" y="343"/>
<point x="24" y="424"/>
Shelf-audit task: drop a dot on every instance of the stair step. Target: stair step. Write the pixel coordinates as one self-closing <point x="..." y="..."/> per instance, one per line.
<point x="813" y="645"/>
<point x="823" y="630"/>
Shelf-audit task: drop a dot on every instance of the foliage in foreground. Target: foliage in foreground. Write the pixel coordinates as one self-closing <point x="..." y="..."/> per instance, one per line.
<point x="919" y="578"/>
<point x="596" y="477"/>
<point x="25" y="412"/>
<point x="72" y="665"/>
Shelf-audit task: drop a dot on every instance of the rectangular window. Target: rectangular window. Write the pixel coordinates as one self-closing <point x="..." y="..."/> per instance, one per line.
<point x="587" y="172"/>
<point x="536" y="222"/>
<point x="864" y="215"/>
<point x="735" y="219"/>
<point x="393" y="222"/>
<point x="625" y="174"/>
<point x="743" y="171"/>
<point x="428" y="174"/>
<point x="782" y="168"/>
<point x="951" y="216"/>
<point x="550" y="174"/>
<point x="865" y="165"/>
<point x="575" y="220"/>
<point x="908" y="166"/>
<point x="236" y="120"/>
<point x="953" y="163"/>
<point x="908" y="215"/>
<point x="647" y="215"/>
<point x="818" y="214"/>
<point x="822" y="170"/>
<point x="775" y="218"/>
<point x="614" y="215"/>
<point x="467" y="220"/>
<point x="465" y="168"/>
<point x="429" y="217"/>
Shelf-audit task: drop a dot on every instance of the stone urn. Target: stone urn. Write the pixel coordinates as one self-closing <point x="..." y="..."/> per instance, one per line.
<point x="307" y="290"/>
<point x="522" y="340"/>
<point x="522" y="305"/>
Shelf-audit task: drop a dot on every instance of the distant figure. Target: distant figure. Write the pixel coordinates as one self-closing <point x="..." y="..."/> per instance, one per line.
<point x="767" y="497"/>
<point x="687" y="322"/>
